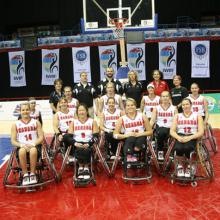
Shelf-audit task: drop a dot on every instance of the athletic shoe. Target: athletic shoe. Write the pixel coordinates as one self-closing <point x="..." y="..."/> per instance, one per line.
<point x="133" y="158"/>
<point x="86" y="174"/>
<point x="160" y="155"/>
<point x="26" y="180"/>
<point x="180" y="171"/>
<point x="129" y="158"/>
<point x="71" y="159"/>
<point x="33" y="178"/>
<point x="80" y="173"/>
<point x="187" y="172"/>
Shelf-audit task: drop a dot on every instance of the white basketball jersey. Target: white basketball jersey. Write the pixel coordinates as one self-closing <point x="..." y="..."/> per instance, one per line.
<point x="35" y="114"/>
<point x="187" y="125"/>
<point x="64" y="120"/>
<point x="165" y="116"/>
<point x="133" y="125"/>
<point x="110" y="119"/>
<point x="26" y="132"/>
<point x="150" y="104"/>
<point x="83" y="131"/>
<point x="105" y="99"/>
<point x="198" y="105"/>
<point x="72" y="105"/>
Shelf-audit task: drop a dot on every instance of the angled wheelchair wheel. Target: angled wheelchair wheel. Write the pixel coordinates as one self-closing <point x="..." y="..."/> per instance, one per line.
<point x="212" y="139"/>
<point x="168" y="158"/>
<point x="154" y="157"/>
<point x="205" y="160"/>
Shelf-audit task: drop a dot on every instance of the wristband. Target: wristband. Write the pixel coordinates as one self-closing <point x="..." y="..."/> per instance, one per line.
<point x="115" y="136"/>
<point x="107" y="130"/>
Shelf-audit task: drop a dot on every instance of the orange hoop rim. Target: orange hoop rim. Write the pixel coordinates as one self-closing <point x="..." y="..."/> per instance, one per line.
<point x="118" y="22"/>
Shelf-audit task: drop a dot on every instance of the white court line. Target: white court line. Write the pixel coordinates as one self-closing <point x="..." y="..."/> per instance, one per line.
<point x="5" y="158"/>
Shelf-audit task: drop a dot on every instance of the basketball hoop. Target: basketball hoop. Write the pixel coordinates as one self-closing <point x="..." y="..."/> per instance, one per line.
<point x="119" y="23"/>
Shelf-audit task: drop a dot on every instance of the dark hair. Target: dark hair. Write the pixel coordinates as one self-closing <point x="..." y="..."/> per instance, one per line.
<point x="161" y="74"/>
<point x="83" y="105"/>
<point x="109" y="98"/>
<point x="187" y="99"/>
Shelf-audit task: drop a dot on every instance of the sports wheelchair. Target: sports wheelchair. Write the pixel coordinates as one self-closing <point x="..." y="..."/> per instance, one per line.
<point x="109" y="160"/>
<point x="60" y="154"/>
<point x="199" y="165"/>
<point x="140" y="169"/>
<point x="210" y="139"/>
<point x="45" y="171"/>
<point x="153" y="148"/>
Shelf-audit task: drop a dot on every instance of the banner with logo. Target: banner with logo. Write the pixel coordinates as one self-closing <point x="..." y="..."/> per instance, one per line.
<point x="213" y="102"/>
<point x="17" y="69"/>
<point x="136" y="59"/>
<point x="107" y="58"/>
<point x="50" y="66"/>
<point x="200" y="59"/>
<point x="81" y="62"/>
<point x="167" y="59"/>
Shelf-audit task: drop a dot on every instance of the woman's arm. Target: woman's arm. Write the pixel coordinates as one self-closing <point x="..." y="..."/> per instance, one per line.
<point x="148" y="129"/>
<point x="14" y="141"/>
<point x="142" y="104"/>
<point x="153" y="117"/>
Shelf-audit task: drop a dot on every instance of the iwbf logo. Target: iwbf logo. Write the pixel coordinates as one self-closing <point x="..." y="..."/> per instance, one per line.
<point x="200" y="51"/>
<point x="17" y="64"/>
<point x="135" y="57"/>
<point x="50" y="63"/>
<point x="107" y="58"/>
<point x="81" y="57"/>
<point x="167" y="55"/>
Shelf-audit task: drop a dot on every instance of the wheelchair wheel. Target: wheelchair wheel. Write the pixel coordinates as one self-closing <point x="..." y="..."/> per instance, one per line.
<point x="205" y="160"/>
<point x="212" y="139"/>
<point x="154" y="157"/>
<point x="168" y="158"/>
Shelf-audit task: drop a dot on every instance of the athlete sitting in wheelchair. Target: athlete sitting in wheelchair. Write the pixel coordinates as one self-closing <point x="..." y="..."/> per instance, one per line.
<point x="134" y="128"/>
<point x="108" y="120"/>
<point x="27" y="136"/>
<point x="187" y="128"/>
<point x="82" y="134"/>
<point x="162" y="117"/>
<point x="61" y="122"/>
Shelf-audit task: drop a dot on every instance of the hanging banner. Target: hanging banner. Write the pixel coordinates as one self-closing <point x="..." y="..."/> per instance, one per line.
<point x="136" y="59"/>
<point x="107" y="58"/>
<point x="200" y="59"/>
<point x="50" y="66"/>
<point x="167" y="59"/>
<point x="17" y="69"/>
<point x="81" y="62"/>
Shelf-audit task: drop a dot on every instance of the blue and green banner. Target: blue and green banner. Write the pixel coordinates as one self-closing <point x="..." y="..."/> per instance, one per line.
<point x="213" y="102"/>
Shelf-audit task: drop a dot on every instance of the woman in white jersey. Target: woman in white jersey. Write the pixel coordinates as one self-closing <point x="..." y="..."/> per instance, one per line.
<point x="72" y="102"/>
<point x="27" y="135"/>
<point x="149" y="102"/>
<point x="162" y="116"/>
<point x="82" y="133"/>
<point x="34" y="112"/>
<point x="108" y="120"/>
<point x="199" y="103"/>
<point x="62" y="119"/>
<point x="110" y="92"/>
<point x="186" y="128"/>
<point x="134" y="127"/>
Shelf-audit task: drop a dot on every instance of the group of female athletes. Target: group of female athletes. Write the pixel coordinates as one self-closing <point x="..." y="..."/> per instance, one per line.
<point x="167" y="112"/>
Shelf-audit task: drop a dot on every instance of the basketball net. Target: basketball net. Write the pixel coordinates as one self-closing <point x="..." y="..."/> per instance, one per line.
<point x="119" y="23"/>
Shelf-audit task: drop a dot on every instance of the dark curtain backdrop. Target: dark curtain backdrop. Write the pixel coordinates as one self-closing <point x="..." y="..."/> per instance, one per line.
<point x="67" y="13"/>
<point x="33" y="69"/>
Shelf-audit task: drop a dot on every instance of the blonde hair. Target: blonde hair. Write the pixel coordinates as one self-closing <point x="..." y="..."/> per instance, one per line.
<point x="135" y="73"/>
